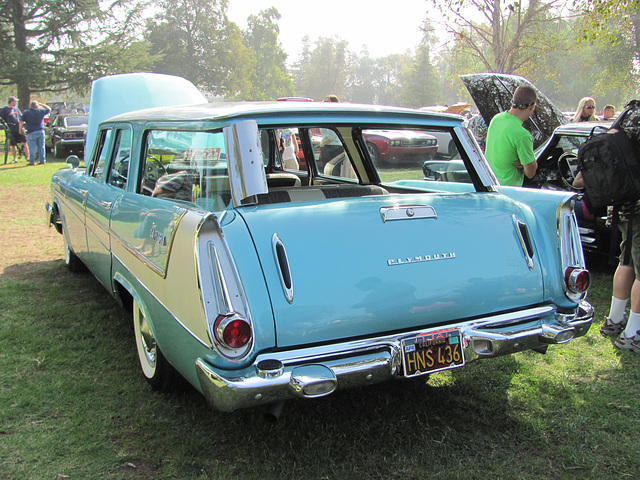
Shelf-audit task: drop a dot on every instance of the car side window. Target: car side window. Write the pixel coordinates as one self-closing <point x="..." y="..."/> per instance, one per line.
<point x="416" y="154"/>
<point x="188" y="166"/>
<point x="330" y="155"/>
<point x="101" y="154"/>
<point x="119" y="172"/>
<point x="283" y="147"/>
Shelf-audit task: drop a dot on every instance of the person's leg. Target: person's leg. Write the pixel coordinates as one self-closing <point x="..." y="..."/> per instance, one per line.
<point x="31" y="142"/>
<point x="14" y="151"/>
<point x="42" y="153"/>
<point x="623" y="279"/>
<point x="634" y="318"/>
<point x="629" y="339"/>
<point x="25" y="149"/>
<point x="622" y="282"/>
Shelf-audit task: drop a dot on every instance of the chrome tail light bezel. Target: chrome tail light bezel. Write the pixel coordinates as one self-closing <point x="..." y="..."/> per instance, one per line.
<point x="223" y="297"/>
<point x="573" y="265"/>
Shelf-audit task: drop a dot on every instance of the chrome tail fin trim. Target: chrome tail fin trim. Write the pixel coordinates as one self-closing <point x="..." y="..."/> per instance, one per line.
<point x="282" y="263"/>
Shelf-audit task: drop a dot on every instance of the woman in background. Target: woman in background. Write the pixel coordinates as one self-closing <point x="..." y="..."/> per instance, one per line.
<point x="586" y="111"/>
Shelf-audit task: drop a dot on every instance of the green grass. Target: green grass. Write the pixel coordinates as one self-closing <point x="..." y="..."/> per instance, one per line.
<point x="73" y="405"/>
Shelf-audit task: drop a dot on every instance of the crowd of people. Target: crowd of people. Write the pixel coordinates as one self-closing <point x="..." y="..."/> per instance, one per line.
<point x="26" y="130"/>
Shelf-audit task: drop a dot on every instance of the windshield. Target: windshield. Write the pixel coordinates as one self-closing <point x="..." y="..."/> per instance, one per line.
<point x="77" y="121"/>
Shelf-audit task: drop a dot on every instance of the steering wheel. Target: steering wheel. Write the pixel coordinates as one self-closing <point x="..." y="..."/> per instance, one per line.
<point x="161" y="170"/>
<point x="566" y="164"/>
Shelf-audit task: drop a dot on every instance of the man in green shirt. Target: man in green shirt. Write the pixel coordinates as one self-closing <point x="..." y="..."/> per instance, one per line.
<point x="509" y="145"/>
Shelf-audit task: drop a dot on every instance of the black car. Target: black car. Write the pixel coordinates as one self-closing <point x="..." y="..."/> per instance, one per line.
<point x="66" y="134"/>
<point x="555" y="141"/>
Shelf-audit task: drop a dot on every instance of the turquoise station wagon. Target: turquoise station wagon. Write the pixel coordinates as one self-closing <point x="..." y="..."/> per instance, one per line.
<point x="260" y="277"/>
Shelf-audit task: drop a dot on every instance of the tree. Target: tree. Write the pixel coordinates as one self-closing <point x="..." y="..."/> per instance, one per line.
<point x="195" y="40"/>
<point x="600" y="13"/>
<point x="363" y="80"/>
<point x="389" y="84"/>
<point x="269" y="79"/>
<point x="61" y="45"/>
<point x="612" y="30"/>
<point x="506" y="39"/>
<point x="420" y="81"/>
<point x="323" y="70"/>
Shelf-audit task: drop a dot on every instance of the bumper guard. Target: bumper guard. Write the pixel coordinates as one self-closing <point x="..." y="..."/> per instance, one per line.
<point x="318" y="371"/>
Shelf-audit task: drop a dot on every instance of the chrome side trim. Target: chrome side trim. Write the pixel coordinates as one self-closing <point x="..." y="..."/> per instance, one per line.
<point x="225" y="306"/>
<point x="282" y="265"/>
<point x="373" y="360"/>
<point x="519" y="225"/>
<point x="162" y="271"/>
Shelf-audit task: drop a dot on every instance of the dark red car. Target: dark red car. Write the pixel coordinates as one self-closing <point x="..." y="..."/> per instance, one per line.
<point x="400" y="146"/>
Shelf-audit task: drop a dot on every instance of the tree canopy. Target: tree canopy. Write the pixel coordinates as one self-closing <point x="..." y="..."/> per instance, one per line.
<point x="269" y="78"/>
<point x="501" y="35"/>
<point x="194" y="39"/>
<point x="58" y="45"/>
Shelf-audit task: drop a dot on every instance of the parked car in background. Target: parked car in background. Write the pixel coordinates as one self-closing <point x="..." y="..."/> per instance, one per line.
<point x="400" y="146"/>
<point x="66" y="134"/>
<point x="295" y="99"/>
<point x="260" y="285"/>
<point x="556" y="143"/>
<point x="447" y="148"/>
<point x="557" y="167"/>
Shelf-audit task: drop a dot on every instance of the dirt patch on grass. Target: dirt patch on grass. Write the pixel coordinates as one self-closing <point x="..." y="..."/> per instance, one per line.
<point x="26" y="236"/>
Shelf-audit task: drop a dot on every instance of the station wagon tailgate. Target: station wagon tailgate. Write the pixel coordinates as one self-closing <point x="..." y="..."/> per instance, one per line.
<point x="359" y="267"/>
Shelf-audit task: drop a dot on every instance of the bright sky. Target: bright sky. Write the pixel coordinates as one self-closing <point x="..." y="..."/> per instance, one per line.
<point x="384" y="27"/>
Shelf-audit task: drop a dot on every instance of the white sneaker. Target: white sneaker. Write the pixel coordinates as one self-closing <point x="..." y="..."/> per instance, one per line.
<point x="628" y="343"/>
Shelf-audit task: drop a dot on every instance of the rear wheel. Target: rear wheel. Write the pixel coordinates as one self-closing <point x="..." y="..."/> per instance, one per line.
<point x="157" y="371"/>
<point x="71" y="260"/>
<point x="58" y="152"/>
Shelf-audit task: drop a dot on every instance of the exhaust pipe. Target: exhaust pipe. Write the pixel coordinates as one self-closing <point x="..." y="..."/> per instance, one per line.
<point x="273" y="411"/>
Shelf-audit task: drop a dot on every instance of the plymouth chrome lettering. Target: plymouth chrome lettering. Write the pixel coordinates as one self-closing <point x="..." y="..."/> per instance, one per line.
<point x="421" y="258"/>
<point x="158" y="237"/>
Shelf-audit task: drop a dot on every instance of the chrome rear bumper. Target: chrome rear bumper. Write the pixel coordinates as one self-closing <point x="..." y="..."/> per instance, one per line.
<point x="318" y="371"/>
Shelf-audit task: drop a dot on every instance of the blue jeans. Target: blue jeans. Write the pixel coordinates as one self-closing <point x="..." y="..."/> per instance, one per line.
<point x="35" y="142"/>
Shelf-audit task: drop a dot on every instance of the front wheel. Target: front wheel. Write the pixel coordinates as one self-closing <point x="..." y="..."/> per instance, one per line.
<point x="374" y="153"/>
<point x="157" y="371"/>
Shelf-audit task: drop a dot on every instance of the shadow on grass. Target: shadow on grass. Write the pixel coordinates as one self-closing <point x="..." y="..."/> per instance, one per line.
<point x="74" y="403"/>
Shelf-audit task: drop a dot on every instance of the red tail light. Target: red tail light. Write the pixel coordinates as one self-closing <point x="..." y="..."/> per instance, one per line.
<point x="577" y="280"/>
<point x="232" y="331"/>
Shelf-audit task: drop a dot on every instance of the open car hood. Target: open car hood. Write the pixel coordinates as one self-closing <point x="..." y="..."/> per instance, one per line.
<point x="492" y="94"/>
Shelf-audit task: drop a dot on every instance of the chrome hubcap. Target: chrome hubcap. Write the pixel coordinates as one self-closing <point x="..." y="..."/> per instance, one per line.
<point x="148" y="342"/>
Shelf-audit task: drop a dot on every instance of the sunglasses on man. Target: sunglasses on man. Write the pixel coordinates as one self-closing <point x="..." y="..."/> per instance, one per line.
<point x="522" y="106"/>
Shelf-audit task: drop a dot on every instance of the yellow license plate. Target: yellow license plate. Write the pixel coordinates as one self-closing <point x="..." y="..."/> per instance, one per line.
<point x="428" y="353"/>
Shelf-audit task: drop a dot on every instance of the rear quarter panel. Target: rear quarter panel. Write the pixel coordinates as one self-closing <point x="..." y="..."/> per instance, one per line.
<point x="154" y="249"/>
